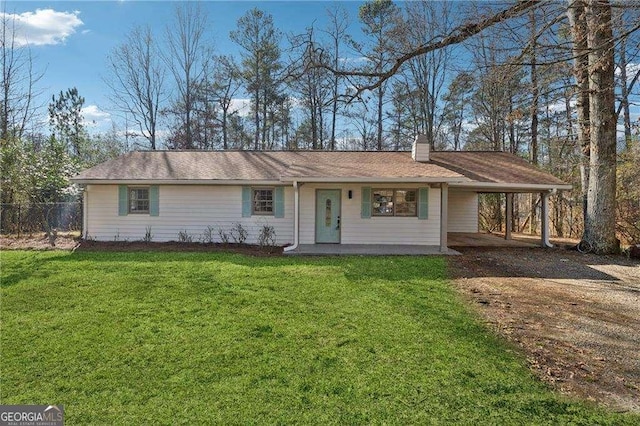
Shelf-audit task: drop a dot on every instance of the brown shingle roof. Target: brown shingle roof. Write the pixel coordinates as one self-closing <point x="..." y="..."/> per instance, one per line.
<point x="494" y="167"/>
<point x="464" y="167"/>
<point x="262" y="166"/>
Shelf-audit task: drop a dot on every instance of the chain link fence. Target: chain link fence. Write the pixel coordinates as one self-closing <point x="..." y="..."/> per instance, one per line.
<point x="29" y="218"/>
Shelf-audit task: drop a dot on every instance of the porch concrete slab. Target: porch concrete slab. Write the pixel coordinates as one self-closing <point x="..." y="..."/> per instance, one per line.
<point x="469" y="239"/>
<point x="367" y="250"/>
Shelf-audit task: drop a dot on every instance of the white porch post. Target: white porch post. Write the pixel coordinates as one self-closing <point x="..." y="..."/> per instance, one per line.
<point x="444" y="213"/>
<point x="296" y="217"/>
<point x="85" y="212"/>
<point x="508" y="216"/>
<point x="545" y="220"/>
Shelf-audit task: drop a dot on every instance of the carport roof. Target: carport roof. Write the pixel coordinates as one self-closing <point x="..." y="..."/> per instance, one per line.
<point x="491" y="171"/>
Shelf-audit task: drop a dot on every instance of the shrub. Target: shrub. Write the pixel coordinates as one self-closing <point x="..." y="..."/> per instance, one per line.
<point x="148" y="236"/>
<point x="184" y="237"/>
<point x="224" y="236"/>
<point x="238" y="233"/>
<point x="267" y="236"/>
<point x="208" y="235"/>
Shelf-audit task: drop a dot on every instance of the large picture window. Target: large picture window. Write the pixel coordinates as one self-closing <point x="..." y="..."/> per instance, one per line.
<point x="262" y="201"/>
<point x="138" y="200"/>
<point x="394" y="202"/>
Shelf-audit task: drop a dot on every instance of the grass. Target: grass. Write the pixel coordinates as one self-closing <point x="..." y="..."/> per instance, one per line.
<point x="197" y="338"/>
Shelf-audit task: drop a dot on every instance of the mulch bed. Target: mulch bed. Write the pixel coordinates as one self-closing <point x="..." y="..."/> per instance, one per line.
<point x="71" y="242"/>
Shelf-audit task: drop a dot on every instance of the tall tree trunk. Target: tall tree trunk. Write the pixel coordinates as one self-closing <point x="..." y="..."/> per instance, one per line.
<point x="600" y="228"/>
<point x="534" y="112"/>
<point x="577" y="22"/>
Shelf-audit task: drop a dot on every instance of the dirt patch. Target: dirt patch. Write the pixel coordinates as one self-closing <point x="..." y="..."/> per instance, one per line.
<point x="577" y="317"/>
<point x="39" y="241"/>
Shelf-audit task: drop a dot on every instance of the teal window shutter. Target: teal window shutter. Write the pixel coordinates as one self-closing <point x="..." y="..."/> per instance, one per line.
<point x="246" y="201"/>
<point x="365" y="211"/>
<point x="423" y="203"/>
<point x="123" y="200"/>
<point x="154" y="200"/>
<point x="278" y="198"/>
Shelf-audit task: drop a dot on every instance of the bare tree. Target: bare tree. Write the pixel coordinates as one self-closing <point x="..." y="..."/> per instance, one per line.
<point x="423" y="21"/>
<point x="136" y="79"/>
<point x="19" y="81"/>
<point x="456" y="105"/>
<point x="628" y="50"/>
<point x="186" y="56"/>
<point x="337" y="32"/>
<point x="226" y="83"/>
<point x="312" y="86"/>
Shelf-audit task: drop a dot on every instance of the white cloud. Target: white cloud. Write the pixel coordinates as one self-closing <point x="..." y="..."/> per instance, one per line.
<point x="95" y="117"/>
<point x="632" y="69"/>
<point x="358" y="59"/>
<point x="241" y="106"/>
<point x="42" y="27"/>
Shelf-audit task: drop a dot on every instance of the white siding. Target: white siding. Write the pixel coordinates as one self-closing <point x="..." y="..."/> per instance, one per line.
<point x="375" y="230"/>
<point x="463" y="211"/>
<point x="189" y="208"/>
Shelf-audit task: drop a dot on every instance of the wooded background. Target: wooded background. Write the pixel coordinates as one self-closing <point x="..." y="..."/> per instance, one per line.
<point x="555" y="82"/>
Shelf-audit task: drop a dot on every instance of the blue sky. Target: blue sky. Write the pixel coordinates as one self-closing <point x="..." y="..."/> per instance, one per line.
<point x="70" y="40"/>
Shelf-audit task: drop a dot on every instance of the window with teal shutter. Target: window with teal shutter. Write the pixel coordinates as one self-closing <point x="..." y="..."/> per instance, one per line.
<point x="246" y="201"/>
<point x="423" y="203"/>
<point x="278" y="208"/>
<point x="365" y="210"/>
<point x="154" y="200"/>
<point x="123" y="200"/>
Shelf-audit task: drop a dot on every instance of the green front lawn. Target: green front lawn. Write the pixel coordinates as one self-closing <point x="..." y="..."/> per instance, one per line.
<point x="196" y="338"/>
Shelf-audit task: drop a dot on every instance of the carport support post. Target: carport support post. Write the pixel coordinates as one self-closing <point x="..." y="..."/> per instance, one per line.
<point x="444" y="213"/>
<point x="545" y="220"/>
<point x="508" y="216"/>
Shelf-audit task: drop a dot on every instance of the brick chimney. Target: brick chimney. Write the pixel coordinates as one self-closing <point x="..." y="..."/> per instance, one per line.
<point x="420" y="149"/>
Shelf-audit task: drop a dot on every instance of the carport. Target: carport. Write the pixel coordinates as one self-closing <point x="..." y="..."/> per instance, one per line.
<point x="496" y="172"/>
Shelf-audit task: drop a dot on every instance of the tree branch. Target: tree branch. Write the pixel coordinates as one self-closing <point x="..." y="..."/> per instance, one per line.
<point x="458" y="35"/>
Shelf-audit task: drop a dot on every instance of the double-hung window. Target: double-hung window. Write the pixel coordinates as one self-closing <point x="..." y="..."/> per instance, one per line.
<point x="394" y="202"/>
<point x="262" y="201"/>
<point x="138" y="200"/>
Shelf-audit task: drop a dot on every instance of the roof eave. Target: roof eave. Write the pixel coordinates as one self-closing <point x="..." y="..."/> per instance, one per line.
<point x="84" y="181"/>
<point x="380" y="179"/>
<point x="511" y="187"/>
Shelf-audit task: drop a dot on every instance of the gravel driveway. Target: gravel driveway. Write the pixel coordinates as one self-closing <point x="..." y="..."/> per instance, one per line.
<point x="576" y="317"/>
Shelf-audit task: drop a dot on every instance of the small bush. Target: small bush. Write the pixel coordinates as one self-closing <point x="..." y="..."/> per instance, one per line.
<point x="148" y="236"/>
<point x="184" y="237"/>
<point x="208" y="235"/>
<point x="224" y="236"/>
<point x="267" y="236"/>
<point x="238" y="233"/>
